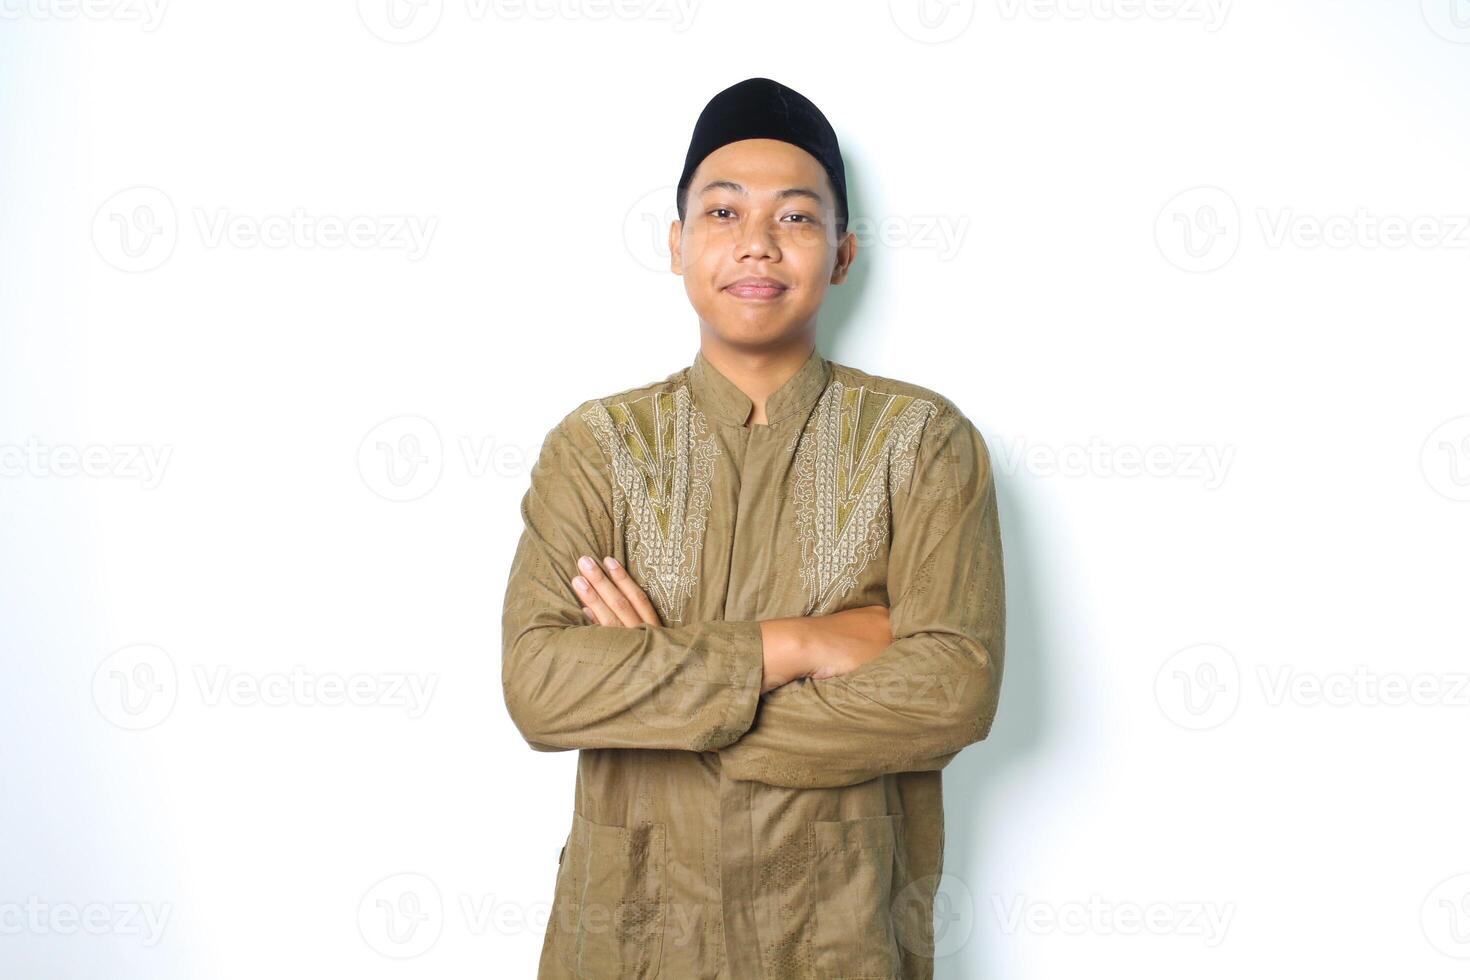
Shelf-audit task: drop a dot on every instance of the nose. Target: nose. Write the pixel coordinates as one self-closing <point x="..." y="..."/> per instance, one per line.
<point x="757" y="242"/>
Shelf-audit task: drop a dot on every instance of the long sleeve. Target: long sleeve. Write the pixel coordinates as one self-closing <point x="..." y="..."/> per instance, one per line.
<point x="936" y="688"/>
<point x="569" y="684"/>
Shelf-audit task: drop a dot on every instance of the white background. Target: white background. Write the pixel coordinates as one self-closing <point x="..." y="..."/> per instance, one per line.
<point x="1227" y="240"/>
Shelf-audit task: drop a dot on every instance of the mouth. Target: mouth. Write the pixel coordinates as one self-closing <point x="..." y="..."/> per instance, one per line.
<point x="756" y="288"/>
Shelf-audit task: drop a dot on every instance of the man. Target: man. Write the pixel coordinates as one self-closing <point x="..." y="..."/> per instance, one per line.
<point x="788" y="615"/>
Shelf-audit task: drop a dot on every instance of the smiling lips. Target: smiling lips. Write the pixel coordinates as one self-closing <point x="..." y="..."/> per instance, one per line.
<point x="755" y="287"/>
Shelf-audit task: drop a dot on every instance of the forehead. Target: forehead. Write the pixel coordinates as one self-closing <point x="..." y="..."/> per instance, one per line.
<point x="763" y="166"/>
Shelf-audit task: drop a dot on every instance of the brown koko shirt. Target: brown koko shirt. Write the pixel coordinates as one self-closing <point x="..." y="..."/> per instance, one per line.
<point x="716" y="832"/>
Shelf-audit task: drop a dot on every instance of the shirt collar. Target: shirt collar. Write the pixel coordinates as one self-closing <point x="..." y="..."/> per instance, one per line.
<point x="720" y="396"/>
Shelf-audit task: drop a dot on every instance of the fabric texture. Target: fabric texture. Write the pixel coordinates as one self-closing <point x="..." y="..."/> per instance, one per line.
<point x="718" y="832"/>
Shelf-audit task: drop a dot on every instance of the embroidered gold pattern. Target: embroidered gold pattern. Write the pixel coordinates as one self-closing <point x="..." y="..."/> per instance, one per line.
<point x="662" y="457"/>
<point x="860" y="447"/>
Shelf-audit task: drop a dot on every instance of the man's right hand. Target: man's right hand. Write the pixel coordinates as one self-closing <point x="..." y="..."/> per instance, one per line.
<point x="822" y="646"/>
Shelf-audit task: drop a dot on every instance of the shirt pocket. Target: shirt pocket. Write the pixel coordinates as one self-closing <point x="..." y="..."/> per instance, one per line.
<point x="855" y="864"/>
<point x="613" y="882"/>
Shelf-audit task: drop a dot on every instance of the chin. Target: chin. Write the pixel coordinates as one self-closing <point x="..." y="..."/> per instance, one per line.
<point x="754" y="335"/>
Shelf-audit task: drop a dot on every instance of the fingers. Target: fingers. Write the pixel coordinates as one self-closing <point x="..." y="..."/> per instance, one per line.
<point x="593" y="598"/>
<point x="634" y="593"/>
<point x="613" y="602"/>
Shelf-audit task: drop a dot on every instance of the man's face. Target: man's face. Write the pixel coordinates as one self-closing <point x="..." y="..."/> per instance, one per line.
<point x="759" y="209"/>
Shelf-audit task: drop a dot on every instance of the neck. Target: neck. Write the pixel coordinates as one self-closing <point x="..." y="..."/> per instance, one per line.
<point x="757" y="371"/>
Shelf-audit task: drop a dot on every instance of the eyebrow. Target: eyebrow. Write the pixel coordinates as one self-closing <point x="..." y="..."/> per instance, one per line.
<point x="781" y="195"/>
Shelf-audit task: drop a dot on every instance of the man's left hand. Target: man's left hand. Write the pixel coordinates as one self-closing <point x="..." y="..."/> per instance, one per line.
<point x="611" y="597"/>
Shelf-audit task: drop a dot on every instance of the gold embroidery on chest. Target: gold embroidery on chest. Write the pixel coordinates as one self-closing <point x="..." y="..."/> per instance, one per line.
<point x="859" y="448"/>
<point x="662" y="457"/>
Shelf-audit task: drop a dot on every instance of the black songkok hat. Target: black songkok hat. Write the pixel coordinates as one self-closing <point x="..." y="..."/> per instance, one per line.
<point x="760" y="108"/>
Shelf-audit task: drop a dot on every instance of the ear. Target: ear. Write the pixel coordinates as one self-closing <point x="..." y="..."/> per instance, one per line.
<point x="846" y="255"/>
<point x="676" y="235"/>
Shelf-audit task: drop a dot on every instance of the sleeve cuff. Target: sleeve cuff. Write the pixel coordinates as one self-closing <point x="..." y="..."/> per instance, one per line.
<point x="742" y="651"/>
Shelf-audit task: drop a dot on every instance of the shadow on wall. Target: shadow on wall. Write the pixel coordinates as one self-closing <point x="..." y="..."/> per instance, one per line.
<point x="973" y="781"/>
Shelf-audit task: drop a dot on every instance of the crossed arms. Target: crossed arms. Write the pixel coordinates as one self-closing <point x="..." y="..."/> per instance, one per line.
<point x="801" y="702"/>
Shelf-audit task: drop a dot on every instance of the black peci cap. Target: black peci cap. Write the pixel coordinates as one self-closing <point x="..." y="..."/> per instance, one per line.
<point x="760" y="108"/>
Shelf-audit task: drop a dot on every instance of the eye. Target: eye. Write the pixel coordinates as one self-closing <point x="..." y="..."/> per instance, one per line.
<point x="804" y="217"/>
<point x="715" y="212"/>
